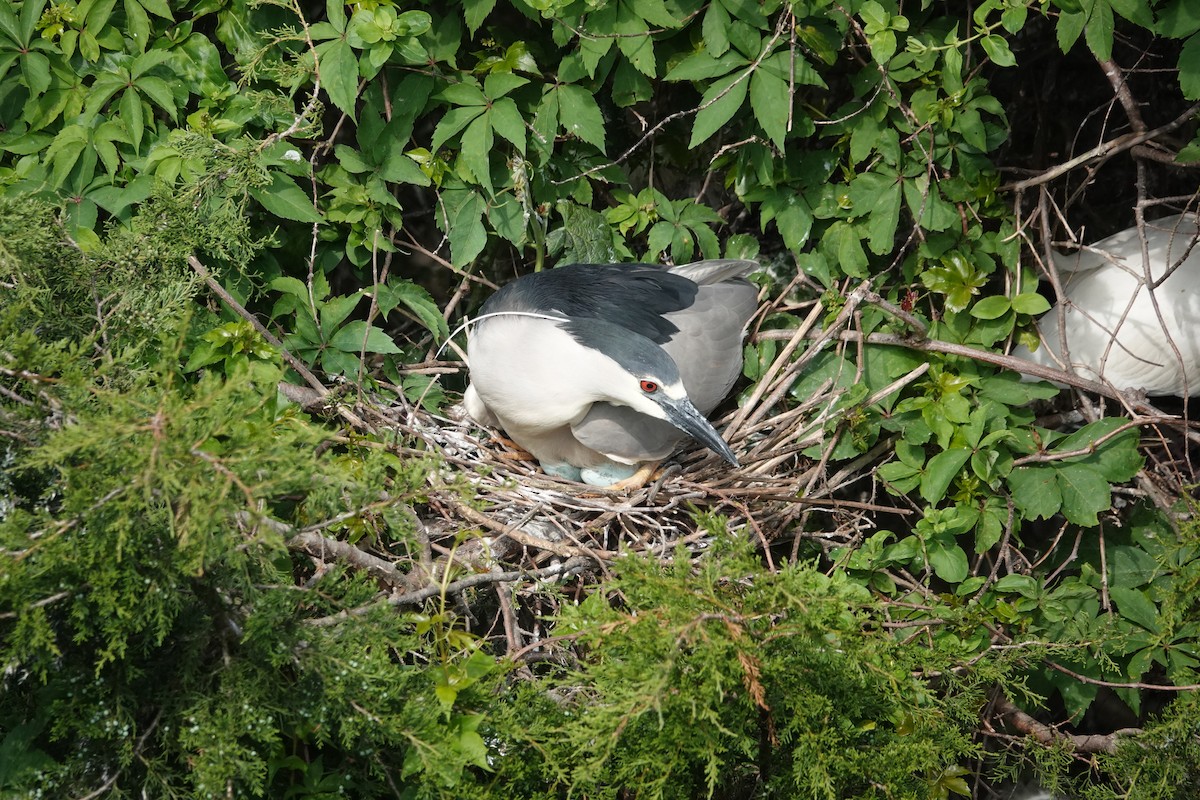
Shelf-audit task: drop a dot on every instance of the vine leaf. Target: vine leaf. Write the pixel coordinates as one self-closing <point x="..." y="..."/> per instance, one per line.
<point x="719" y="104"/>
<point x="284" y="198"/>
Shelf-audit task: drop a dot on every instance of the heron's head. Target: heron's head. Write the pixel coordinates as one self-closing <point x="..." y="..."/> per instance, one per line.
<point x="631" y="370"/>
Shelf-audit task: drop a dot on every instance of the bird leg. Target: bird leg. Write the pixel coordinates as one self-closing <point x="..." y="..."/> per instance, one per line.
<point x="638" y="479"/>
<point x="518" y="453"/>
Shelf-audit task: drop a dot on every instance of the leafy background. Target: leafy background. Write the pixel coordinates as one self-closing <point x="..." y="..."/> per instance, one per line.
<point x="244" y="553"/>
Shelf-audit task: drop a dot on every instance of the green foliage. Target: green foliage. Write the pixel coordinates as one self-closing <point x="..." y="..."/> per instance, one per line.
<point x="713" y="680"/>
<point x="338" y="168"/>
<point x="152" y="601"/>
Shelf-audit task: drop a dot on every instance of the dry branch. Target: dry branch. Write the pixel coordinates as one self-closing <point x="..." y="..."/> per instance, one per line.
<point x="1008" y="712"/>
<point x="1102" y="151"/>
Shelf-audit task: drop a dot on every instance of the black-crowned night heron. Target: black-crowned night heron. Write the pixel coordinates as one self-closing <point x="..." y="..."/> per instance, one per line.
<point x="597" y="369"/>
<point x="1121" y="330"/>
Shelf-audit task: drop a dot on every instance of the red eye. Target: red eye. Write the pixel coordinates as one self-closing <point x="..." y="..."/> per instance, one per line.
<point x="649" y="387"/>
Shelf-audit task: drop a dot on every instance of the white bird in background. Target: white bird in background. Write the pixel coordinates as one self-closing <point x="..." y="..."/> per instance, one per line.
<point x="1113" y="331"/>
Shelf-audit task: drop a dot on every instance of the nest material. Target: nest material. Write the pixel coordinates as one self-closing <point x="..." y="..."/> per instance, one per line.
<point x="531" y="521"/>
<point x="784" y="476"/>
<point x="786" y="494"/>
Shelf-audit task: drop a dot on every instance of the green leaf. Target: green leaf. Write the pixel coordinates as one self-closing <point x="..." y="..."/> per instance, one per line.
<point x="351" y="160"/>
<point x="1024" y="585"/>
<point x="467" y="234"/>
<point x="969" y="124"/>
<point x="702" y="66"/>
<point x="131" y="115"/>
<point x="879" y="195"/>
<point x="992" y="307"/>
<point x="102" y="90"/>
<point x="9" y="24"/>
<point x="418" y="301"/>
<point x="794" y="221"/>
<point x="874" y="15"/>
<point x="413" y="23"/>
<point x="498" y="84"/>
<point x="506" y="120"/>
<point x="581" y="116"/>
<point x="1010" y="390"/>
<point x="1030" y="303"/>
<point x="454" y="121"/>
<point x="656" y="13"/>
<point x="949" y="561"/>
<point x="285" y="199"/>
<point x="713" y="29"/>
<point x="89" y="48"/>
<point x="1136" y="607"/>
<point x="148" y="61"/>
<point x="660" y="238"/>
<point x="718" y="105"/>
<point x="306" y="328"/>
<point x="464" y="94"/>
<point x="507" y="218"/>
<point x="997" y="50"/>
<point x="594" y="48"/>
<point x="637" y="46"/>
<point x="936" y="213"/>
<point x="1035" y="491"/>
<point x="1070" y="26"/>
<point x="335" y="310"/>
<point x="35" y="68"/>
<point x="159" y="8"/>
<point x="349" y="339"/>
<point x="1131" y="567"/>
<point x="629" y="86"/>
<point x="65" y="151"/>
<point x="940" y="471"/>
<point x="476" y="151"/>
<point x="1098" y="31"/>
<point x="476" y="11"/>
<point x="771" y="101"/>
<point x="292" y="286"/>
<point x="842" y="244"/>
<point x="1084" y="493"/>
<point x="1189" y="67"/>
<point x="339" y="74"/>
<point x="159" y="93"/>
<point x="883" y="45"/>
<point x="400" y="168"/>
<point x="1117" y="459"/>
<point x="903" y="477"/>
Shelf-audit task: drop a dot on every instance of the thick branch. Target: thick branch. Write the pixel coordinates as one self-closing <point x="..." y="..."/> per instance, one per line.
<point x="323" y="547"/>
<point x="979" y="354"/>
<point x="1095" y="743"/>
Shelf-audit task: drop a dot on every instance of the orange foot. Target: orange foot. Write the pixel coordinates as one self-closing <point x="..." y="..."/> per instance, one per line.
<point x="638" y="479"/>
<point x="517" y="453"/>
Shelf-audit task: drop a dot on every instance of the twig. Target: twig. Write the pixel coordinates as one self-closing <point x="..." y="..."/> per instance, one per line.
<point x="1104" y="150"/>
<point x="296" y="364"/>
<point x="567" y="567"/>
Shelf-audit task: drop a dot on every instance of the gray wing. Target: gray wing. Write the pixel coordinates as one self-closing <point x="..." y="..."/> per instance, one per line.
<point x="707" y="349"/>
<point x="626" y="434"/>
<point x="715" y="270"/>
